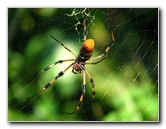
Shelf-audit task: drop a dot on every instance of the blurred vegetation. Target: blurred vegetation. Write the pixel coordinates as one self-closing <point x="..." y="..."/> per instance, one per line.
<point x="126" y="82"/>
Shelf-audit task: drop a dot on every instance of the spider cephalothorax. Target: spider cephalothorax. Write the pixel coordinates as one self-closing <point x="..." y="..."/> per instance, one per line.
<point x="78" y="67"/>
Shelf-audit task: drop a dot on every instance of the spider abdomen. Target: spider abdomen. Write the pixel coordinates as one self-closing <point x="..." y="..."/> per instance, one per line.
<point x="86" y="49"/>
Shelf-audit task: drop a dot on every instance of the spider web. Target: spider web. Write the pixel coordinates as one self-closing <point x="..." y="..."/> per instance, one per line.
<point x="126" y="82"/>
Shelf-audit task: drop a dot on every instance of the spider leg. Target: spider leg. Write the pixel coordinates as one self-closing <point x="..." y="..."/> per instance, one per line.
<point x="52" y="81"/>
<point x="82" y="95"/>
<point x="96" y="61"/>
<point x="63" y="45"/>
<point x="50" y="66"/>
<point x="85" y="31"/>
<point x="59" y="61"/>
<point x="74" y="71"/>
<point x="104" y="55"/>
<point x="92" y="82"/>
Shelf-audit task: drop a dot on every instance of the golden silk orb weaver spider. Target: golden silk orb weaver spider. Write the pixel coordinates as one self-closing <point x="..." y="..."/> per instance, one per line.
<point x="78" y="64"/>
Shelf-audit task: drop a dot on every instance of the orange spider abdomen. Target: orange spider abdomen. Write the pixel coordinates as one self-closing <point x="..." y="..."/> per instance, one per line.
<point x="88" y="45"/>
<point x="86" y="49"/>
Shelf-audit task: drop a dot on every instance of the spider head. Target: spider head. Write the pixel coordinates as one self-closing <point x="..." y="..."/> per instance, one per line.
<point x="78" y="66"/>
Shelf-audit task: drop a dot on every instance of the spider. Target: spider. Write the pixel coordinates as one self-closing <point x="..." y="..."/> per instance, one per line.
<point x="78" y="64"/>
